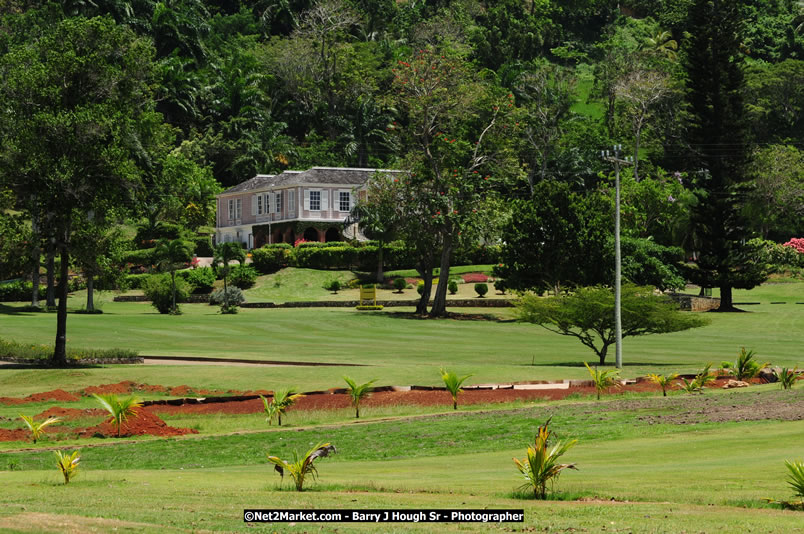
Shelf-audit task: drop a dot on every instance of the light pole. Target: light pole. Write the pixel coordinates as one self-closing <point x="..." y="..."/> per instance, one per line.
<point x="614" y="157"/>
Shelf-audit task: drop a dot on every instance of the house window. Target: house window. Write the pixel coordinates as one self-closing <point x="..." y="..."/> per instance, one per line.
<point x="315" y="200"/>
<point x="238" y="208"/>
<point x="344" y="200"/>
<point x="259" y="204"/>
<point x="292" y="201"/>
<point x="231" y="208"/>
<point x="279" y="202"/>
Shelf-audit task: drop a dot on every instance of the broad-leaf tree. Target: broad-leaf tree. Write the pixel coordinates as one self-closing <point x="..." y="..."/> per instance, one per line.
<point x="75" y="104"/>
<point x="226" y="253"/>
<point x="588" y="315"/>
<point x="171" y="256"/>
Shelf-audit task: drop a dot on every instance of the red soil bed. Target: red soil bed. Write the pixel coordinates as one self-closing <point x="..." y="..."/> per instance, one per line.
<point x="57" y="395"/>
<point x="144" y="423"/>
<point x="127" y="386"/>
<point x="69" y="413"/>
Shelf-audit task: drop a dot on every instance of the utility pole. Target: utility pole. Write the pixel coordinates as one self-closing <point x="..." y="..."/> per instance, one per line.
<point x="614" y="157"/>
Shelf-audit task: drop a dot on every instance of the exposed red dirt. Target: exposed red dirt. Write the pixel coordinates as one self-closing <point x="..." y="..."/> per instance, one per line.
<point x="127" y="386"/>
<point x="56" y="395"/>
<point x="145" y="422"/>
<point x="18" y="434"/>
<point x="69" y="413"/>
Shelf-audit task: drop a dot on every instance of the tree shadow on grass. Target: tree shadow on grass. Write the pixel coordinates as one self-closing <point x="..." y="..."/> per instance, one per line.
<point x="451" y="315"/>
<point x="625" y="364"/>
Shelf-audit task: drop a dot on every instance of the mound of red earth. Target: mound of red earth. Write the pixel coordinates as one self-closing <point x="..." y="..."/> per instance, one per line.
<point x="143" y="423"/>
<point x="57" y="395"/>
<point x="127" y="386"/>
<point x="69" y="413"/>
<point x="18" y="434"/>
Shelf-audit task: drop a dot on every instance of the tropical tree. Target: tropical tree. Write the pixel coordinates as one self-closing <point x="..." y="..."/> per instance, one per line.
<point x="281" y="401"/>
<point x="603" y="380"/>
<point x="68" y="464"/>
<point x="663" y="381"/>
<point x="541" y="466"/>
<point x="225" y="253"/>
<point x="377" y="215"/>
<point x="303" y="465"/>
<point x="588" y="314"/>
<point x="171" y="256"/>
<point x="37" y="428"/>
<point x="77" y="106"/>
<point x="453" y="384"/>
<point x="120" y="409"/>
<point x="358" y="393"/>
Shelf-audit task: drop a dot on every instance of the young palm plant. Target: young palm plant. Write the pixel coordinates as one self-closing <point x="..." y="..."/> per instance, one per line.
<point x="663" y="381"/>
<point x="453" y="384"/>
<point x="703" y="378"/>
<point x="301" y="466"/>
<point x="787" y="377"/>
<point x="68" y="464"/>
<point x="120" y="409"/>
<point x="796" y="477"/>
<point x="746" y="367"/>
<point x="38" y="428"/>
<point x="603" y="380"/>
<point x="282" y="400"/>
<point x="358" y="393"/>
<point x="541" y="465"/>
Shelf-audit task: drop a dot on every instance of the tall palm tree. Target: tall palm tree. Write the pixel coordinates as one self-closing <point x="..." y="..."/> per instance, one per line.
<point x="225" y="253"/>
<point x="170" y="256"/>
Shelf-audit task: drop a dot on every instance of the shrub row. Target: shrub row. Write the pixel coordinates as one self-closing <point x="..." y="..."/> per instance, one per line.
<point x="18" y="351"/>
<point x="20" y="290"/>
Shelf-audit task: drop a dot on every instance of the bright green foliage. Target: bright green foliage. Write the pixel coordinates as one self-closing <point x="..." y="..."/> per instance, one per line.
<point x="164" y="291"/>
<point x="244" y="276"/>
<point x="541" y="467"/>
<point x="746" y="367"/>
<point x="452" y="287"/>
<point x="120" y="409"/>
<point x="796" y="477"/>
<point x="663" y="381"/>
<point x="301" y="466"/>
<point x="787" y="377"/>
<point x="171" y="256"/>
<point x="453" y="385"/>
<point x="481" y="289"/>
<point x="588" y="314"/>
<point x="225" y="253"/>
<point x="700" y="381"/>
<point x="400" y="284"/>
<point x="281" y="401"/>
<point x="38" y="428"/>
<point x="603" y="380"/>
<point x="68" y="464"/>
<point x="358" y="393"/>
<point x="201" y="279"/>
<point x="333" y="285"/>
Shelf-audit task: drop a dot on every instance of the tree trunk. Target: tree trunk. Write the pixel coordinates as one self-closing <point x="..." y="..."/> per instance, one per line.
<point x="424" y="299"/>
<point x="226" y="292"/>
<point x="726" y="301"/>
<point x="636" y="156"/>
<point x="602" y="354"/>
<point x="60" y="352"/>
<point x="90" y="293"/>
<point x="379" y="263"/>
<point x="439" y="308"/>
<point x="51" y="277"/>
<point x="35" y="275"/>
<point x="173" y="286"/>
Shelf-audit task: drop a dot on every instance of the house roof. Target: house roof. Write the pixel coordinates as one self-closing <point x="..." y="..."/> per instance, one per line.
<point x="313" y="176"/>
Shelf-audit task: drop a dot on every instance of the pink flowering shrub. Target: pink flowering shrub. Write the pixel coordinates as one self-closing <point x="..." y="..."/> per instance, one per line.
<point x="299" y="241"/>
<point x="796" y="243"/>
<point x="471" y="278"/>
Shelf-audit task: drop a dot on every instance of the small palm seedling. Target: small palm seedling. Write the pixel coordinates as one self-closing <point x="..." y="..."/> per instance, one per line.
<point x="689" y="386"/>
<point x="301" y="466"/>
<point x="358" y="393"/>
<point x="68" y="464"/>
<point x="541" y="466"/>
<point x="603" y="380"/>
<point x="787" y="377"/>
<point x="663" y="381"/>
<point x="282" y="400"/>
<point x="796" y="477"/>
<point x="703" y="378"/>
<point x="746" y="367"/>
<point x="120" y="409"/>
<point x="38" y="428"/>
<point x="453" y="384"/>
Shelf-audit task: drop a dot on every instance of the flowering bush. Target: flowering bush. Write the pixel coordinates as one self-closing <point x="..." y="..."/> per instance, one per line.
<point x="796" y="243"/>
<point x="471" y="278"/>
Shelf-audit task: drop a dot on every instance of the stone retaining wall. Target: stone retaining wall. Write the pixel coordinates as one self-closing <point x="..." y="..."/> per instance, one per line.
<point x="694" y="302"/>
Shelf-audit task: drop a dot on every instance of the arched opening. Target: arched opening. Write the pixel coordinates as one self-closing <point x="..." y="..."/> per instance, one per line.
<point x="332" y="235"/>
<point x="311" y="234"/>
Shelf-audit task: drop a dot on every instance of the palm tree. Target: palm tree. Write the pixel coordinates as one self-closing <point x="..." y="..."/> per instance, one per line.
<point x="541" y="466"/>
<point x="603" y="380"/>
<point x="119" y="409"/>
<point x="282" y="400"/>
<point x="663" y="381"/>
<point x="68" y="464"/>
<point x="358" y="393"/>
<point x="37" y="429"/>
<point x="453" y="384"/>
<point x="301" y="466"/>
<point x="226" y="253"/>
<point x="170" y="256"/>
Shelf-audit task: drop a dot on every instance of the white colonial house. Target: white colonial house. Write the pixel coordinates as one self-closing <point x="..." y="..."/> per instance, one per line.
<point x="312" y="204"/>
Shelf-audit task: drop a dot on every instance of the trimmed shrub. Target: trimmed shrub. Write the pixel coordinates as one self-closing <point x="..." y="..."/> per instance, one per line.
<point x="236" y="297"/>
<point x="159" y="290"/>
<point x="271" y="258"/>
<point x="420" y="287"/>
<point x="400" y="284"/>
<point x="499" y="285"/>
<point x="200" y="279"/>
<point x="140" y="257"/>
<point x="27" y="351"/>
<point x="20" y="291"/>
<point x="481" y="289"/>
<point x="452" y="287"/>
<point x="134" y="281"/>
<point x="333" y="285"/>
<point x="243" y="276"/>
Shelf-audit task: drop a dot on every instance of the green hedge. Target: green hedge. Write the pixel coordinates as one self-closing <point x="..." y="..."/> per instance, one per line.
<point x="203" y="246"/>
<point x="140" y="257"/>
<point x="271" y="258"/>
<point x="21" y="290"/>
<point x="27" y="351"/>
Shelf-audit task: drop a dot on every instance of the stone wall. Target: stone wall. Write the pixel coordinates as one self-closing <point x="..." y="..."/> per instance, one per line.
<point x="694" y="302"/>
